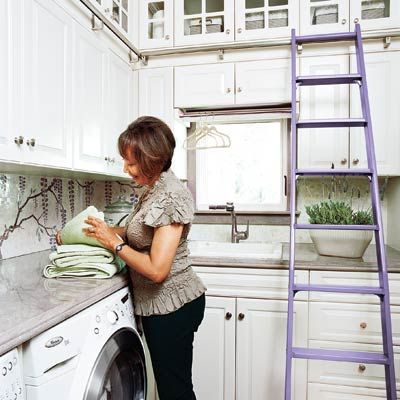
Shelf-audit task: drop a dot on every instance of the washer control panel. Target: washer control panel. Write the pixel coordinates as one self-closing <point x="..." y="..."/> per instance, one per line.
<point x="11" y="384"/>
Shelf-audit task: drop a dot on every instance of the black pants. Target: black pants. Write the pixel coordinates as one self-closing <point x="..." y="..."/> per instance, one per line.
<point x="170" y="341"/>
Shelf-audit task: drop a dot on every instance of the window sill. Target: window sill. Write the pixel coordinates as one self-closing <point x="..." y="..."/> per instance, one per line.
<point x="255" y="218"/>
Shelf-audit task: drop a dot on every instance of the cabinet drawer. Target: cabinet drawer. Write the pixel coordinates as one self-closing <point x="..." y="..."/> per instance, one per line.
<point x="350" y="374"/>
<point x="332" y="392"/>
<point x="355" y="279"/>
<point x="246" y="282"/>
<point x="359" y="323"/>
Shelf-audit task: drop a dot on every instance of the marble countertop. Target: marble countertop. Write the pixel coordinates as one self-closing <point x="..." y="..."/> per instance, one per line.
<point x="308" y="259"/>
<point x="30" y="304"/>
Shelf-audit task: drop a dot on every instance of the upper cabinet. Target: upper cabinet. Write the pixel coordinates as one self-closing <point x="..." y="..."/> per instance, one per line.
<point x="260" y="19"/>
<point x="243" y="83"/>
<point x="204" y="21"/>
<point x="155" y="24"/>
<point x="321" y="16"/>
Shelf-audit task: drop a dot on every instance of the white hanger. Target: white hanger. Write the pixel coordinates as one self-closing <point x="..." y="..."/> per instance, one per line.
<point x="201" y="133"/>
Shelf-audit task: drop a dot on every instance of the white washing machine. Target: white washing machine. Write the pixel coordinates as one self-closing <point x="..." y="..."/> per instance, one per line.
<point x="94" y="355"/>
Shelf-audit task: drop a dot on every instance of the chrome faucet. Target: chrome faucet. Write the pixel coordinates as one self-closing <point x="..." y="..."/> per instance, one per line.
<point x="236" y="235"/>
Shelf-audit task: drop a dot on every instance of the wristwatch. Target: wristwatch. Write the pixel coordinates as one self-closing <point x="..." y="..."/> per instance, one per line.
<point x="119" y="247"/>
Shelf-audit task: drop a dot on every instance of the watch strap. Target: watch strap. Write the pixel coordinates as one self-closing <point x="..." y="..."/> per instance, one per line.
<point x="119" y="247"/>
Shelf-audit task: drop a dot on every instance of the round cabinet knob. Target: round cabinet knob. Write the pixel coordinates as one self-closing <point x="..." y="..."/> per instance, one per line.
<point x="167" y="37"/>
<point x="228" y="31"/>
<point x="112" y="317"/>
<point x="228" y="315"/>
<point x="363" y="325"/>
<point x="356" y="20"/>
<point x="19" y="140"/>
<point x="113" y="160"/>
<point x="241" y="316"/>
<point x="362" y="367"/>
<point x="344" y="20"/>
<point x="31" y="142"/>
<point x="106" y="159"/>
<point x="343" y="161"/>
<point x="356" y="161"/>
<point x="239" y="89"/>
<point x="228" y="90"/>
<point x="240" y="30"/>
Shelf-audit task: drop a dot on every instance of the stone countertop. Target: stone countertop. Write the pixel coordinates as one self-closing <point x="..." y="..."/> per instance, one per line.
<point x="308" y="259"/>
<point x="30" y="303"/>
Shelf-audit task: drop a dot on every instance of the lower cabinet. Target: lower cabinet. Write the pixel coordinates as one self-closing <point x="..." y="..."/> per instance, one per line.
<point x="240" y="348"/>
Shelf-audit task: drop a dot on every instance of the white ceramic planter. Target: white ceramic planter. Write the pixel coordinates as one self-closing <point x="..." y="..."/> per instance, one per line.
<point x="340" y="243"/>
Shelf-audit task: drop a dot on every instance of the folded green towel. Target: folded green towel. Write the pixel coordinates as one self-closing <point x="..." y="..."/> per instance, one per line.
<point x="72" y="232"/>
<point x="82" y="260"/>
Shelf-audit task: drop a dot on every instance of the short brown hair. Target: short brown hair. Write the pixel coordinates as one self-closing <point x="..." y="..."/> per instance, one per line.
<point x="151" y="142"/>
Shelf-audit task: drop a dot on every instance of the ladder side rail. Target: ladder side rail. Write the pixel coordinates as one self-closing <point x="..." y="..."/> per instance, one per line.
<point x="379" y="236"/>
<point x="293" y="166"/>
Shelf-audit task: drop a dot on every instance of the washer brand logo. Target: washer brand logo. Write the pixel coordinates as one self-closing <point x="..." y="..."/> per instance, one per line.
<point x="54" y="341"/>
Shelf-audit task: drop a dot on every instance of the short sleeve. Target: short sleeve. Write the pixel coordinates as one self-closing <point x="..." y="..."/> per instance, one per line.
<point x="170" y="208"/>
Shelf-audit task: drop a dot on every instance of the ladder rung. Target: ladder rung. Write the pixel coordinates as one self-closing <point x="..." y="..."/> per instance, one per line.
<point x="363" y="357"/>
<point x="328" y="79"/>
<point x="340" y="171"/>
<point x="339" y="289"/>
<point x="330" y="37"/>
<point x="338" y="227"/>
<point x="331" y="123"/>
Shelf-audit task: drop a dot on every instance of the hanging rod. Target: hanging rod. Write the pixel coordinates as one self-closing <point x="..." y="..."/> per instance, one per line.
<point x="114" y="30"/>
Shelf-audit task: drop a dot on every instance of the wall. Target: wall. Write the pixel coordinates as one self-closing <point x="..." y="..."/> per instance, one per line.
<point x="33" y="208"/>
<point x="310" y="191"/>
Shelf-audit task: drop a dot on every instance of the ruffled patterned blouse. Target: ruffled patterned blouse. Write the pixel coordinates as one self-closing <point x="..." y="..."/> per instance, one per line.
<point x="167" y="201"/>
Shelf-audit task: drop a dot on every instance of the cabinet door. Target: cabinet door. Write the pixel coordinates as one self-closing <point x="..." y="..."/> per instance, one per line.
<point x="204" y="85"/>
<point x="214" y="351"/>
<point x="204" y="21"/>
<point x="47" y="83"/>
<point x="265" y="19"/>
<point x="323" y="148"/>
<point x="261" y="349"/>
<point x="156" y="24"/>
<point x="324" y="16"/>
<point x="9" y="150"/>
<point x="383" y="88"/>
<point x="120" y="109"/>
<point x="263" y="82"/>
<point x="372" y="15"/>
<point x="89" y="101"/>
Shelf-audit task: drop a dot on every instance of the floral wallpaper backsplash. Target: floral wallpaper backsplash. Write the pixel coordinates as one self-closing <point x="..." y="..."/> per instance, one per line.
<point x="33" y="209"/>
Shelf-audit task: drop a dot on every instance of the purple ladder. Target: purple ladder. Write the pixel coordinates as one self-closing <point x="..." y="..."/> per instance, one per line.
<point x="382" y="291"/>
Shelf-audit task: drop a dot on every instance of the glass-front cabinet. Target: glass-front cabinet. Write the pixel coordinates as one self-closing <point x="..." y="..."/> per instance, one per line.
<point x="204" y="21"/>
<point x="264" y="19"/>
<point x="117" y="11"/>
<point x="323" y="16"/>
<point x="156" y="24"/>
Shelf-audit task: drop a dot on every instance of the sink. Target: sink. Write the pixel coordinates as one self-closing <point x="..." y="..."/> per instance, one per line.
<point x="253" y="250"/>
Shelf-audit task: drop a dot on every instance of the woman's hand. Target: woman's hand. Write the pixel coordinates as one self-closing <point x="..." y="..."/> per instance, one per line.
<point x="58" y="238"/>
<point x="102" y="232"/>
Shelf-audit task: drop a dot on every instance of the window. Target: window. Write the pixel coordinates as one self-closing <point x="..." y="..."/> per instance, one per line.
<point x="251" y="172"/>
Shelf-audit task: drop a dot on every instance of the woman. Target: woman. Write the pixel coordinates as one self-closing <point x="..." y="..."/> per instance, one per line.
<point x="168" y="295"/>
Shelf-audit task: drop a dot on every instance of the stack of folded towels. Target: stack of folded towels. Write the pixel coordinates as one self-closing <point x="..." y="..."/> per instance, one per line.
<point x="80" y="255"/>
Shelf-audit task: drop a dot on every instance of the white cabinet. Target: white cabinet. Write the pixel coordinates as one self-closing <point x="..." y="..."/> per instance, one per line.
<point x="120" y="109"/>
<point x="340" y="15"/>
<point x="9" y="150"/>
<point x="383" y="86"/>
<point x="260" y="19"/>
<point x="246" y="83"/>
<point x="89" y="101"/>
<point x="47" y="84"/>
<point x="214" y="351"/>
<point x="156" y="90"/>
<point x="239" y="350"/>
<point x="204" y="21"/>
<point x="324" y="148"/>
<point x="156" y="24"/>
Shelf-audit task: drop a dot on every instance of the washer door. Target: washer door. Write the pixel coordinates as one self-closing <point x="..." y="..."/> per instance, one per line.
<point x="119" y="372"/>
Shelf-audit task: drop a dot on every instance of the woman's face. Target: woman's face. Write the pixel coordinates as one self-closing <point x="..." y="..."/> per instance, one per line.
<point x="131" y="167"/>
